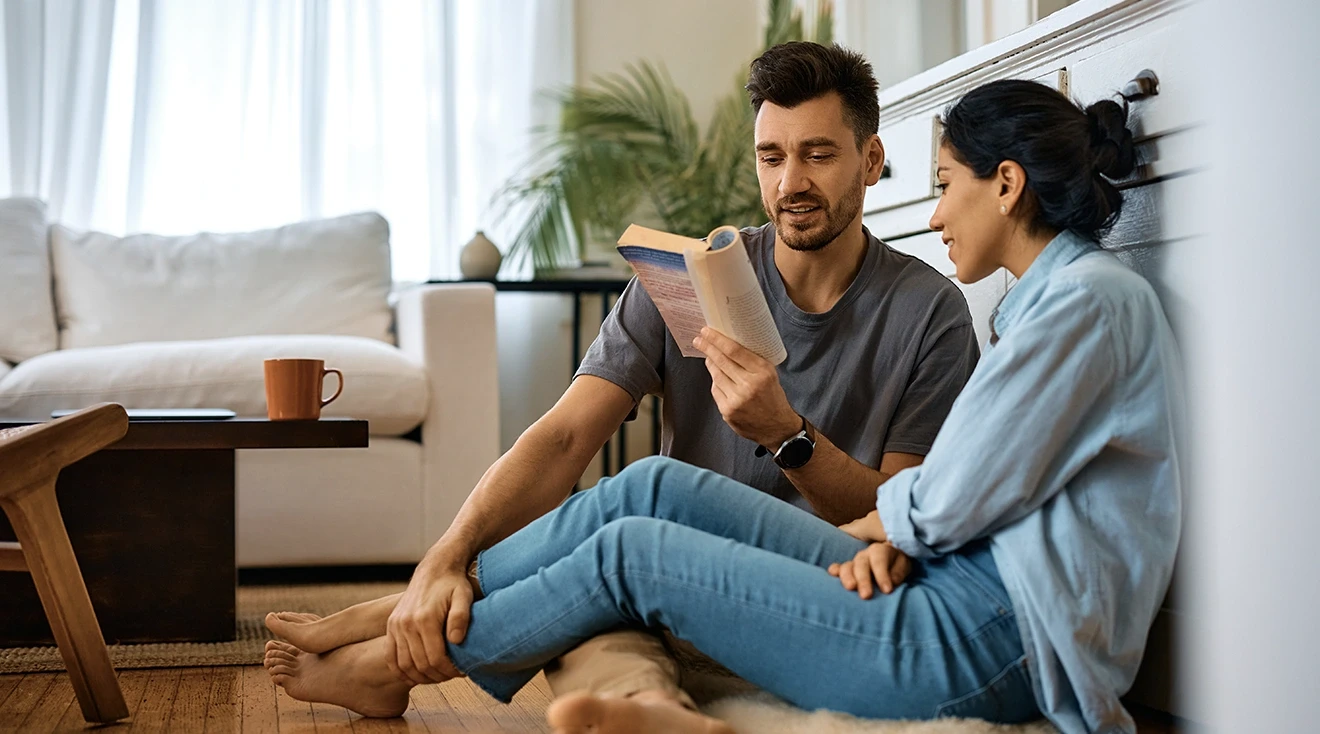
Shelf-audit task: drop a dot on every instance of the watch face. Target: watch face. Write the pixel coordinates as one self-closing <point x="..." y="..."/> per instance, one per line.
<point x="795" y="453"/>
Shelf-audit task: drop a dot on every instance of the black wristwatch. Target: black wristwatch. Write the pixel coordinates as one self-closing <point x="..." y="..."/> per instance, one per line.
<point x="795" y="452"/>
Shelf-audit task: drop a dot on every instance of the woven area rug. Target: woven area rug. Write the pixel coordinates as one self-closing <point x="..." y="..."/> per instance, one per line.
<point x="254" y="602"/>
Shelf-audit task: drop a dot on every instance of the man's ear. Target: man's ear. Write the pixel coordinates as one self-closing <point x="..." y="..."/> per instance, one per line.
<point x="1012" y="180"/>
<point x="874" y="151"/>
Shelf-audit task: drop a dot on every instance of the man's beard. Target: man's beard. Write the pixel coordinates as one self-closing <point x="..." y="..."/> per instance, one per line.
<point x="837" y="218"/>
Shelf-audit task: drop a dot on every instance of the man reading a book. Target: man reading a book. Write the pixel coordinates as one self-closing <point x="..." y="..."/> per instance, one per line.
<point x="879" y="345"/>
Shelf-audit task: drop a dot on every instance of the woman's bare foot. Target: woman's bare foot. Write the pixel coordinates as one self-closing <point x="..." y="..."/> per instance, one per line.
<point x="314" y="634"/>
<point x="648" y="712"/>
<point x="353" y="676"/>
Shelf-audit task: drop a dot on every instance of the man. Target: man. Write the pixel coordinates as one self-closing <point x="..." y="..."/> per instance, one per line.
<point x="879" y="345"/>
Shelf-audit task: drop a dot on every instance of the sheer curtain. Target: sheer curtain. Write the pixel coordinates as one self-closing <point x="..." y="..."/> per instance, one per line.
<point x="174" y="116"/>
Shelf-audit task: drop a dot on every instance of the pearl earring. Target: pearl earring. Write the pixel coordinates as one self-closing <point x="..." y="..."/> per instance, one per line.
<point x="1003" y="209"/>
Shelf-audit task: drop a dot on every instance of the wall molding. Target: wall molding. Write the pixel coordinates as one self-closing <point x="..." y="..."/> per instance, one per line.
<point x="1084" y="24"/>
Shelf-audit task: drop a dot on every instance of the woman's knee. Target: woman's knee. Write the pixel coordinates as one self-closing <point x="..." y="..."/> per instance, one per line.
<point x="645" y="485"/>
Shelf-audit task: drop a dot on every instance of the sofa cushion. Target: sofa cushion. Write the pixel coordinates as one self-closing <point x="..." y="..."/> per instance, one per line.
<point x="381" y="384"/>
<point x="27" y="310"/>
<point x="5" y="367"/>
<point x="330" y="276"/>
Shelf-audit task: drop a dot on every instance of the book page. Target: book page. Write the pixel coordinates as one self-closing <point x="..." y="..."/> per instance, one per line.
<point x="664" y="275"/>
<point x="731" y="295"/>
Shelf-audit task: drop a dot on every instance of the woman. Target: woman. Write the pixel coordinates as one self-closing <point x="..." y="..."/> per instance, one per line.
<point x="1042" y="525"/>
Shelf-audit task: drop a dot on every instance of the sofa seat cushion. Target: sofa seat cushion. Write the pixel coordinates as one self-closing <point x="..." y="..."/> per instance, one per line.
<point x="330" y="276"/>
<point x="382" y="385"/>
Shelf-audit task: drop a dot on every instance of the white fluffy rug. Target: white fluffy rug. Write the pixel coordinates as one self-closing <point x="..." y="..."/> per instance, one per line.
<point x="753" y="714"/>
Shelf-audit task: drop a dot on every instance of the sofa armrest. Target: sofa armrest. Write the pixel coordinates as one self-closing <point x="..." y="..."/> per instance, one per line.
<point x="450" y="331"/>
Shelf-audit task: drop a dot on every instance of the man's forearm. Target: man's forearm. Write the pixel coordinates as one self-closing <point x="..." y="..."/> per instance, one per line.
<point x="525" y="483"/>
<point x="839" y="488"/>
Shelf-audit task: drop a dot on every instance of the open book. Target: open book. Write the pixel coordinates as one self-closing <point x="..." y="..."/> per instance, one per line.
<point x="696" y="284"/>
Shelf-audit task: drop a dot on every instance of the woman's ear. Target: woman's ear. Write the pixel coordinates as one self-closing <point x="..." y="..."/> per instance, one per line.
<point x="1012" y="181"/>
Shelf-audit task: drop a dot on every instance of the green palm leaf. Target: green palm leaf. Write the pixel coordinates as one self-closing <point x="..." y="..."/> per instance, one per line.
<point x="628" y="149"/>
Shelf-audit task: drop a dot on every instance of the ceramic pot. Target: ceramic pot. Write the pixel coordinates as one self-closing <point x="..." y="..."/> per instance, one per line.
<point x="480" y="258"/>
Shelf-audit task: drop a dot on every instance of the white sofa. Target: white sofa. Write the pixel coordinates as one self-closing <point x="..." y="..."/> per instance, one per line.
<point x="183" y="322"/>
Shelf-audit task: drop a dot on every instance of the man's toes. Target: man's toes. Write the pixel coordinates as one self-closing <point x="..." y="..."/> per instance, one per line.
<point x="282" y="646"/>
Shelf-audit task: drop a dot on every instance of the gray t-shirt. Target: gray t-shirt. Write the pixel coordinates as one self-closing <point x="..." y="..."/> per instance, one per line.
<point x="876" y="373"/>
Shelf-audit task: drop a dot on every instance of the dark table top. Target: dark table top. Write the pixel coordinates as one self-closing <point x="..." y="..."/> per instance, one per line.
<point x="580" y="285"/>
<point x="235" y="433"/>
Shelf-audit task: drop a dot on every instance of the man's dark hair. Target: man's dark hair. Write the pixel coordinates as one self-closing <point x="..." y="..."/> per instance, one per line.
<point x="792" y="73"/>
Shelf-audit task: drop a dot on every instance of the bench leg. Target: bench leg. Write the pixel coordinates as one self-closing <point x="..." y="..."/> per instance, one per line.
<point x="35" y="517"/>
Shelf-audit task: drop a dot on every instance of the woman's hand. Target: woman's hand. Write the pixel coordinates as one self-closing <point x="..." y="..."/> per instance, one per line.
<point x="879" y="564"/>
<point x="867" y="528"/>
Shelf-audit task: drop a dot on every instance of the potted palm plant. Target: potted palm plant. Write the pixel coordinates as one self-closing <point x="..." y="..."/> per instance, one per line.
<point x="627" y="148"/>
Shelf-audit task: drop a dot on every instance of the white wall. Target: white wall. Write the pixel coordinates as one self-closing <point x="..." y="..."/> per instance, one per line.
<point x="706" y="46"/>
<point x="1253" y="354"/>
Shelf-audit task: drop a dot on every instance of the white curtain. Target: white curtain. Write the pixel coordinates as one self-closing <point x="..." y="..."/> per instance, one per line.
<point x="174" y="116"/>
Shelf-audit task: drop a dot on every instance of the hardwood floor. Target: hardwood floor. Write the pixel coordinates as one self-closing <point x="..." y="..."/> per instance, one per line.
<point x="233" y="699"/>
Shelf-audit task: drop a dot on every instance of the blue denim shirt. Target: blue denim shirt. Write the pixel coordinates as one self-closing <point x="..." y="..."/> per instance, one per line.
<point x="1061" y="449"/>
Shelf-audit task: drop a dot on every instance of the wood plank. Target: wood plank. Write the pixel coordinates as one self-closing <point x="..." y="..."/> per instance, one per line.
<point x="536" y="696"/>
<point x="469" y="703"/>
<point x="22" y="698"/>
<point x="192" y="701"/>
<point x="72" y="721"/>
<point x="413" y="718"/>
<point x="331" y="718"/>
<point x="50" y="708"/>
<point x="134" y="685"/>
<point x="7" y="685"/>
<point x="295" y="717"/>
<point x="511" y="718"/>
<point x="260" y="715"/>
<point x="436" y="712"/>
<point x="153" y="713"/>
<point x="224" y="712"/>
<point x="364" y="725"/>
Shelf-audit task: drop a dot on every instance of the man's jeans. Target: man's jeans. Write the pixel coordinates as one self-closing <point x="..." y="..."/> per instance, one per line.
<point x="741" y="575"/>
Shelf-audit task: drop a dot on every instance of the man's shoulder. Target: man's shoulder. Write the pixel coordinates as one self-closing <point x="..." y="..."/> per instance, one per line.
<point x="758" y="238"/>
<point x="911" y="279"/>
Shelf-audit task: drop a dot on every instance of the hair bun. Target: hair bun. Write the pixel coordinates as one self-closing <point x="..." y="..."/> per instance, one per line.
<point x="1111" y="140"/>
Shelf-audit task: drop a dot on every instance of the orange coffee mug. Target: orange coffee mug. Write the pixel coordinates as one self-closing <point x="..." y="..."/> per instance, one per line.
<point x="294" y="389"/>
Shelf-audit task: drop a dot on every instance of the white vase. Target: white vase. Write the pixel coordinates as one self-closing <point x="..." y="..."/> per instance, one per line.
<point x="480" y="258"/>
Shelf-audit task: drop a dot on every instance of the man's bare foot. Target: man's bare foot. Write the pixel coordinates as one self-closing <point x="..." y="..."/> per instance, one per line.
<point x="353" y="676"/>
<point x="648" y="712"/>
<point x="314" y="634"/>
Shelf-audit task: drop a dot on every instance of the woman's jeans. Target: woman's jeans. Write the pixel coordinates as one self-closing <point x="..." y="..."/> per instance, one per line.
<point x="741" y="575"/>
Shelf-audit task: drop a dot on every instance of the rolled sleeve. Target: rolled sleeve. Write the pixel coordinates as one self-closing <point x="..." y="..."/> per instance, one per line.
<point x="894" y="504"/>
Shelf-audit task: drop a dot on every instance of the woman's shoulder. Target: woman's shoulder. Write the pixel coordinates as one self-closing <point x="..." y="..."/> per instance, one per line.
<point x="1131" y="305"/>
<point x="1101" y="275"/>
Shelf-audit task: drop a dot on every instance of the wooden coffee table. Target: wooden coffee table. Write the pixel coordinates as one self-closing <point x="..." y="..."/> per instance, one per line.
<point x="151" y="520"/>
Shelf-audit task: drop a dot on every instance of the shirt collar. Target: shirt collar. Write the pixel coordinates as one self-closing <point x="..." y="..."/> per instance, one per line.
<point x="1066" y="247"/>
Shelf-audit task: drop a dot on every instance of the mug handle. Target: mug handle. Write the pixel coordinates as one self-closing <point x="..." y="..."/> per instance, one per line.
<point x="341" y="385"/>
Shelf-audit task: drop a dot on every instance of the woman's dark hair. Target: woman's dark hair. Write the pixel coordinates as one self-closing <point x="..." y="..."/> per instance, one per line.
<point x="792" y="73"/>
<point x="1069" y="154"/>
